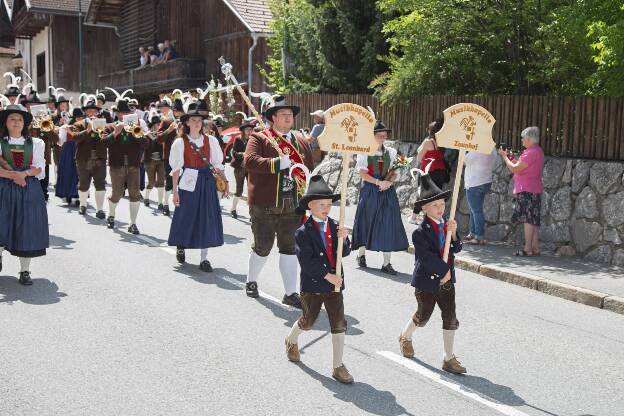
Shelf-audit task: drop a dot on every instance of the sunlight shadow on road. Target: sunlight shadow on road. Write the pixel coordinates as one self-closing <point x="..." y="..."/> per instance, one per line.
<point x="42" y="292"/>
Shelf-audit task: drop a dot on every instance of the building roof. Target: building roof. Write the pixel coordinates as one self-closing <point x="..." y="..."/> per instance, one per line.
<point x="7" y="51"/>
<point x="56" y="6"/>
<point x="255" y="14"/>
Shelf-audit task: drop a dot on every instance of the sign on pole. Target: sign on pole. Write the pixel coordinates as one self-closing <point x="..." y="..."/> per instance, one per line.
<point x="467" y="127"/>
<point x="349" y="129"/>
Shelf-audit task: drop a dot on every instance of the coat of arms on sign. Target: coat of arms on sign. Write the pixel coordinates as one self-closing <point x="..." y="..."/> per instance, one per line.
<point x="350" y="126"/>
<point x="468" y="124"/>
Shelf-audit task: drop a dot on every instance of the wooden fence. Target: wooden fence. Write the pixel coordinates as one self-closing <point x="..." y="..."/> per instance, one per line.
<point x="580" y="127"/>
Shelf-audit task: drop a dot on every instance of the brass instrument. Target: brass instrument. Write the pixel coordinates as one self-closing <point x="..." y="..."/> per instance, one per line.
<point x="135" y="130"/>
<point x="43" y="123"/>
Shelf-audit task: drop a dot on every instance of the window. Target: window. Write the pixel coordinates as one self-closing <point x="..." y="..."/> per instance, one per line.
<point x="41" y="72"/>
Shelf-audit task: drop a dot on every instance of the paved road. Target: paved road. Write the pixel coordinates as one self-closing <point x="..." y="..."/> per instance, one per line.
<point x="113" y="326"/>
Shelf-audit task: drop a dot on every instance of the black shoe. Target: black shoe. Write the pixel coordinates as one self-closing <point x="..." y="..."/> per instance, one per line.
<point x="205" y="266"/>
<point x="361" y="261"/>
<point x="110" y="222"/>
<point x="146" y="202"/>
<point x="251" y="288"/>
<point x="82" y="210"/>
<point x="160" y="207"/>
<point x="100" y="215"/>
<point x="388" y="269"/>
<point x="133" y="229"/>
<point x="68" y="200"/>
<point x="166" y="210"/>
<point x="77" y="203"/>
<point x="24" y="279"/>
<point x="234" y="214"/>
<point x="292" y="300"/>
<point x="180" y="255"/>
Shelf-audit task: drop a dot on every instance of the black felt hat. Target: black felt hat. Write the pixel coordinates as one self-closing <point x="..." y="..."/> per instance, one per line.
<point x="279" y="104"/>
<point x="33" y="98"/>
<point x="194" y="111"/>
<point x="15" y="108"/>
<point x="380" y="126"/>
<point x="12" y="91"/>
<point x="61" y="99"/>
<point x="76" y="112"/>
<point x="317" y="189"/>
<point x="429" y="192"/>
<point x="91" y="104"/>
<point x="178" y="105"/>
<point x="123" y="107"/>
<point x="248" y="124"/>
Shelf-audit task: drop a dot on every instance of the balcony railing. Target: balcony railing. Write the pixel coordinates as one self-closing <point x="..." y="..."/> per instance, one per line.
<point x="151" y="80"/>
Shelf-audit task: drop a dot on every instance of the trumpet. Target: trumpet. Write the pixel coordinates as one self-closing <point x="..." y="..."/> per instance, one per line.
<point x="43" y="123"/>
<point x="135" y="129"/>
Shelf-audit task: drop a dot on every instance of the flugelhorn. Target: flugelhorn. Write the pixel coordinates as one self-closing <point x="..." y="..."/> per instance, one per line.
<point x="43" y="123"/>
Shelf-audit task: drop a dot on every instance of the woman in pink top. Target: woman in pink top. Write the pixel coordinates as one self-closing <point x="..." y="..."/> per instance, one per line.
<point x="528" y="188"/>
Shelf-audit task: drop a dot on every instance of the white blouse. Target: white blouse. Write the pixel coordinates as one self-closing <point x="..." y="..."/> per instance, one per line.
<point x="38" y="157"/>
<point x="362" y="160"/>
<point x="176" y="156"/>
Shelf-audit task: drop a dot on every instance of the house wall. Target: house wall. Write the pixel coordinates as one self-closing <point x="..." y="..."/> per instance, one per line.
<point x="40" y="45"/>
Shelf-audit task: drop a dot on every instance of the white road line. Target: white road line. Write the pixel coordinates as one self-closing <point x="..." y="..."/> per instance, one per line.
<point x="148" y="240"/>
<point x="456" y="387"/>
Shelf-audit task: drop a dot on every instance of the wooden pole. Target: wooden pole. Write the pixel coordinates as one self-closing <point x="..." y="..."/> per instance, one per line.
<point x="343" y="196"/>
<point x="458" y="176"/>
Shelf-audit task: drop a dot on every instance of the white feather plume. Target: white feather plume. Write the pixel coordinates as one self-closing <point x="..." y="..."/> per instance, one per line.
<point x="305" y="170"/>
<point x="372" y="112"/>
<point x="27" y="76"/>
<point x="4" y="100"/>
<point x="30" y="86"/>
<point x="426" y="172"/>
<point x="15" y="80"/>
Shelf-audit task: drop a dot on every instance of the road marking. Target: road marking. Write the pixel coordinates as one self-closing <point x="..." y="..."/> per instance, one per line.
<point x="456" y="387"/>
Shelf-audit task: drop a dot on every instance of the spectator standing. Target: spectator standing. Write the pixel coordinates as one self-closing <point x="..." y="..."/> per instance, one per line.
<point x="143" y="57"/>
<point x="478" y="182"/>
<point x="528" y="188"/>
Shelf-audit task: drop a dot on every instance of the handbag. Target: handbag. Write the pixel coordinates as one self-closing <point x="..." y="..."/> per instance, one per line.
<point x="220" y="182"/>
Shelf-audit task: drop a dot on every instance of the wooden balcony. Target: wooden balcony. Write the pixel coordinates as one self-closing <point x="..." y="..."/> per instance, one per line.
<point x="152" y="80"/>
<point x="27" y="24"/>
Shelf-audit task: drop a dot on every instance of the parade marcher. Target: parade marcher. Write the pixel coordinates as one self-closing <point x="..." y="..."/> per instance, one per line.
<point x="317" y="254"/>
<point x="91" y="155"/>
<point x="378" y="225"/>
<point x="238" y="154"/>
<point x="12" y="89"/>
<point x="154" y="164"/>
<point x="50" y="139"/>
<point x="67" y="175"/>
<point x="23" y="214"/>
<point x="167" y="133"/>
<point x="196" y="222"/>
<point x="273" y="196"/>
<point x="104" y="113"/>
<point x="124" y="154"/>
<point x="434" y="279"/>
<point x="61" y="117"/>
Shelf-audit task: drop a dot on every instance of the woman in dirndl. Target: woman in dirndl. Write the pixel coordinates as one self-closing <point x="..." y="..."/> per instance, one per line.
<point x="23" y="213"/>
<point x="195" y="159"/>
<point x="378" y="225"/>
<point x="67" y="180"/>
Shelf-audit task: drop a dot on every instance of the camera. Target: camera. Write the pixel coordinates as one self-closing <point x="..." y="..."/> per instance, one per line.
<point x="503" y="146"/>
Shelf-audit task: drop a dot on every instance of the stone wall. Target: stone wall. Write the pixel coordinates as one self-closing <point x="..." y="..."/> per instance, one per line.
<point x="582" y="205"/>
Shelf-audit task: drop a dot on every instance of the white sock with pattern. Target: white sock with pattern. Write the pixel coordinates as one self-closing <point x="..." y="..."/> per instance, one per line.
<point x="112" y="207"/>
<point x="295" y="331"/>
<point x="256" y="263"/>
<point x="288" y="270"/>
<point x="82" y="197"/>
<point x="99" y="199"/>
<point x="338" y="348"/>
<point x="161" y="195"/>
<point x="449" y="339"/>
<point x="134" y="211"/>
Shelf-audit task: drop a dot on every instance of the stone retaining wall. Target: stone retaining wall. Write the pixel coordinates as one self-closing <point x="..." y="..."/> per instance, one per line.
<point x="582" y="206"/>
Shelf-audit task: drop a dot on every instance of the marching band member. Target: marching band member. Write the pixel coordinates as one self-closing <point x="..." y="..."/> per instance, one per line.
<point x="23" y="214"/>
<point x="273" y="196"/>
<point x="154" y="163"/>
<point x="12" y="88"/>
<point x="60" y="118"/>
<point x="67" y="179"/>
<point x="238" y="154"/>
<point x="91" y="155"/>
<point x="104" y="113"/>
<point x="197" y="219"/>
<point x="167" y="132"/>
<point x="378" y="225"/>
<point x="124" y="153"/>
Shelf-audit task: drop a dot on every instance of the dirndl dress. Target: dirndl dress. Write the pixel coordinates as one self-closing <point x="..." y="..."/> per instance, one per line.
<point x="378" y="225"/>
<point x="67" y="180"/>
<point x="197" y="221"/>
<point x="23" y="218"/>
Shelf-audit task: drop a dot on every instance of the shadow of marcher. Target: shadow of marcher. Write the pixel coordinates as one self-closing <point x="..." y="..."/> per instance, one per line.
<point x="362" y="395"/>
<point x="484" y="388"/>
<point x="232" y="239"/>
<point x="399" y="277"/>
<point x="60" y="243"/>
<point x="42" y="292"/>
<point x="215" y="278"/>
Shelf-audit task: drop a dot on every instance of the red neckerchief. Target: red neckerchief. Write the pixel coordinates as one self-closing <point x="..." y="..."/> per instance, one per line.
<point x="329" y="249"/>
<point x="436" y="229"/>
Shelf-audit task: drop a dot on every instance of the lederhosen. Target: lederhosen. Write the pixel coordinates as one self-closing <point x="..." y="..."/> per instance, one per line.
<point x="154" y="165"/>
<point x="91" y="154"/>
<point x="124" y="154"/>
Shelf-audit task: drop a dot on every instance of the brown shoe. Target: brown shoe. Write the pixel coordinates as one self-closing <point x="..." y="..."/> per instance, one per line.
<point x="407" y="349"/>
<point x="292" y="351"/>
<point x="342" y="375"/>
<point x="453" y="366"/>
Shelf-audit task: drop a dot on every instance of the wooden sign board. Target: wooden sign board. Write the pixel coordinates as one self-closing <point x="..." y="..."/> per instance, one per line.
<point x="467" y="127"/>
<point x="348" y="129"/>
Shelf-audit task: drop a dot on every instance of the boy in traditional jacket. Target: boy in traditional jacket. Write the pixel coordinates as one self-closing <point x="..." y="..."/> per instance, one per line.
<point x="317" y="252"/>
<point x="434" y="279"/>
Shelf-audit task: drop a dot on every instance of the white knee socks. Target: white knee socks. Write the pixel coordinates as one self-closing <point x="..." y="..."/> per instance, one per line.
<point x="24" y="264"/>
<point x="161" y="195"/>
<point x="99" y="199"/>
<point x="288" y="270"/>
<point x="256" y="263"/>
<point x="82" y="197"/>
<point x="409" y="329"/>
<point x="203" y="254"/>
<point x="147" y="193"/>
<point x="134" y="211"/>
<point x="295" y="331"/>
<point x="167" y="197"/>
<point x="361" y="251"/>
<point x="338" y="348"/>
<point x="234" y="203"/>
<point x="112" y="207"/>
<point x="449" y="339"/>
<point x="386" y="257"/>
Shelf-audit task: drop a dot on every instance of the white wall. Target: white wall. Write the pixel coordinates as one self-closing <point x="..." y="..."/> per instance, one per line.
<point x="40" y="44"/>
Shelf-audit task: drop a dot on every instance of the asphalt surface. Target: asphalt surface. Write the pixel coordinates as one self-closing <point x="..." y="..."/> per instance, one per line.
<point x="114" y="326"/>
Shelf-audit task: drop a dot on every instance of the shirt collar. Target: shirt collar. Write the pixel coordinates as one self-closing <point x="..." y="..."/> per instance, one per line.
<point x="320" y="222"/>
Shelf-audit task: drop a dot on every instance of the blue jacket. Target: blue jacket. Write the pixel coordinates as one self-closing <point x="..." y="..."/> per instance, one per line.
<point x="313" y="258"/>
<point x="429" y="267"/>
